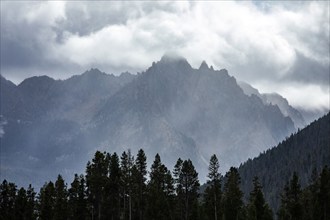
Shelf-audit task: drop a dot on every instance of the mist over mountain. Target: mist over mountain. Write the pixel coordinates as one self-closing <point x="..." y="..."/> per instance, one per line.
<point x="276" y="99"/>
<point x="54" y="126"/>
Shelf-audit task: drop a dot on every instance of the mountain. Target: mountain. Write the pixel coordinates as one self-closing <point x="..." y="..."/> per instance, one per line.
<point x="276" y="99"/>
<point x="54" y="126"/>
<point x="206" y="108"/>
<point x="45" y="119"/>
<point x="302" y="152"/>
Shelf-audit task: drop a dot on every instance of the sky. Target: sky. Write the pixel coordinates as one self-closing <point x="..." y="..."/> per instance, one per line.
<point x="276" y="46"/>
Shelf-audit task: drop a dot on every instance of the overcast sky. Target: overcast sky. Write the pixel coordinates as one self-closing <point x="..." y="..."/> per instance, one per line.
<point x="277" y="46"/>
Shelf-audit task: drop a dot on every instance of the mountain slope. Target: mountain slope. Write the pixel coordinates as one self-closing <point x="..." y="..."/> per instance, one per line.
<point x="204" y="106"/>
<point x="301" y="152"/>
<point x="276" y="99"/>
<point x="171" y="109"/>
<point x="45" y="118"/>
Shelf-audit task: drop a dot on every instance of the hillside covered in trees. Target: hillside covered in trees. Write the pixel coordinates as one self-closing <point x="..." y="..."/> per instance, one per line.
<point x="293" y="177"/>
<point x="305" y="153"/>
<point x="122" y="188"/>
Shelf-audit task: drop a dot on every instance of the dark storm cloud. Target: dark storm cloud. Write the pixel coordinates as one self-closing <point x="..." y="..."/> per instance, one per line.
<point x="26" y="39"/>
<point x="276" y="43"/>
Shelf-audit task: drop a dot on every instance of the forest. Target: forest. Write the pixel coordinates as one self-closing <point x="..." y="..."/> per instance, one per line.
<point x="305" y="152"/>
<point x="116" y="187"/>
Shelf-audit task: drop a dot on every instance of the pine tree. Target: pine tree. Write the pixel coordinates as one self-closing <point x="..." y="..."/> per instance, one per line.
<point x="113" y="187"/>
<point x="257" y="208"/>
<point x="283" y="212"/>
<point x="324" y="194"/>
<point x="20" y="204"/>
<point x="190" y="189"/>
<point x="232" y="196"/>
<point x="159" y="190"/>
<point x="178" y="184"/>
<point x="291" y="207"/>
<point x="212" y="195"/>
<point x="7" y="200"/>
<point x="140" y="179"/>
<point x="309" y="198"/>
<point x="61" y="199"/>
<point x="126" y="166"/>
<point x="46" y="201"/>
<point x="31" y="204"/>
<point x="96" y="178"/>
<point x="77" y="198"/>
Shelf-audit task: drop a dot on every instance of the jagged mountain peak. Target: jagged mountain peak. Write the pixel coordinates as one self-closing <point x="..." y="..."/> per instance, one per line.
<point x="204" y="66"/>
<point x="94" y="72"/>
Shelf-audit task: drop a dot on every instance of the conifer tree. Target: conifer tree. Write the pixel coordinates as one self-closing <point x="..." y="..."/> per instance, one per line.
<point x="126" y="166"/>
<point x="324" y="194"/>
<point x="257" y="208"/>
<point x="96" y="178"/>
<point x="47" y="201"/>
<point x="232" y="196"/>
<point x="169" y="191"/>
<point x="178" y="184"/>
<point x="77" y="198"/>
<point x="7" y="200"/>
<point x="31" y="203"/>
<point x="291" y="207"/>
<point x="309" y="198"/>
<point x="113" y="187"/>
<point x="61" y="199"/>
<point x="21" y="204"/>
<point x="190" y="186"/>
<point x="212" y="195"/>
<point x="140" y="179"/>
<point x="159" y="190"/>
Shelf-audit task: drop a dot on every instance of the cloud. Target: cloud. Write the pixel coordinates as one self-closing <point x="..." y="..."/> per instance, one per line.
<point x="27" y="37"/>
<point x="277" y="42"/>
<point x="310" y="97"/>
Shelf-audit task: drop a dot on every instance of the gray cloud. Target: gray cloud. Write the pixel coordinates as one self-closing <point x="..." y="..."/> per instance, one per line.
<point x="309" y="70"/>
<point x="27" y="38"/>
<point x="263" y="43"/>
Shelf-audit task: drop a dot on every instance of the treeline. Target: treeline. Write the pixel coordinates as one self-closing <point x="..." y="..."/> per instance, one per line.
<point x="122" y="188"/>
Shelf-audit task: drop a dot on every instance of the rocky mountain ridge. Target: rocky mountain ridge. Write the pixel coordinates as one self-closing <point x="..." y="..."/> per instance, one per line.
<point x="54" y="126"/>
